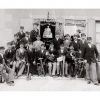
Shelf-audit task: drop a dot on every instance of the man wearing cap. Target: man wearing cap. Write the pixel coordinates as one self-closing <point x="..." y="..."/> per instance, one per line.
<point x="5" y="72"/>
<point x="76" y="44"/>
<point x="26" y="39"/>
<point x="90" y="54"/>
<point x="57" y="42"/>
<point x="15" y="42"/>
<point x="21" y="33"/>
<point x="21" y="60"/>
<point x="67" y="41"/>
<point x="34" y="33"/>
<point x="9" y="55"/>
<point x="83" y="43"/>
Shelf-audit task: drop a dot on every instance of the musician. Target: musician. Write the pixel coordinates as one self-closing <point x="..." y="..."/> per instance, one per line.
<point x="51" y="59"/>
<point x="83" y="43"/>
<point x="9" y="55"/>
<point x="21" y="33"/>
<point x="67" y="41"/>
<point x="37" y="44"/>
<point x="76" y="45"/>
<point x="21" y="60"/>
<point x="40" y="57"/>
<point x="61" y="61"/>
<point x="43" y="52"/>
<point x="31" y="61"/>
<point x="34" y="33"/>
<point x="57" y="42"/>
<point x="15" y="42"/>
<point x="5" y="72"/>
<point x="26" y="40"/>
<point x="90" y="54"/>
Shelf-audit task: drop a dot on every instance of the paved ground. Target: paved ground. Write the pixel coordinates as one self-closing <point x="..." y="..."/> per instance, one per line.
<point x="49" y="84"/>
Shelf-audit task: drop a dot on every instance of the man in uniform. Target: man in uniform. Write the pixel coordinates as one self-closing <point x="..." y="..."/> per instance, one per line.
<point x="21" y="33"/>
<point x="9" y="55"/>
<point x="21" y="60"/>
<point x="34" y="33"/>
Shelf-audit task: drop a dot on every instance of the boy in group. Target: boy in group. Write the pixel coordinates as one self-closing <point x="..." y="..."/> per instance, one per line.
<point x="51" y="59"/>
<point x="61" y="68"/>
<point x="9" y="55"/>
<point x="21" y="60"/>
<point x="6" y="72"/>
<point x="31" y="61"/>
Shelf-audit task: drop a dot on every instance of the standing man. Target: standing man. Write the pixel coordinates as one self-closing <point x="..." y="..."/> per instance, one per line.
<point x="9" y="55"/>
<point x="83" y="43"/>
<point x="21" y="33"/>
<point x="76" y="44"/>
<point x="34" y="33"/>
<point x="57" y="42"/>
<point x="90" y="54"/>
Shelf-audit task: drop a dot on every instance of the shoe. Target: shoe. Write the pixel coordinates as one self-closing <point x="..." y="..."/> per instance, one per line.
<point x="96" y="83"/>
<point x="11" y="83"/>
<point x="89" y="82"/>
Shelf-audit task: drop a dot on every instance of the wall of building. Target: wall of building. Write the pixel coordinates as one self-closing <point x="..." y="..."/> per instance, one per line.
<point x="11" y="19"/>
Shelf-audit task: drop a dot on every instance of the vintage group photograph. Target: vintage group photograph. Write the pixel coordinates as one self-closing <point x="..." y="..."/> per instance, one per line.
<point x="49" y="49"/>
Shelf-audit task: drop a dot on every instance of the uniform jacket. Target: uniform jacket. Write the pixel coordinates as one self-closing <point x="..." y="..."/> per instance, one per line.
<point x="76" y="45"/>
<point x="33" y="35"/>
<point x="20" y="35"/>
<point x="57" y="43"/>
<point x="21" y="55"/>
<point x="9" y="55"/>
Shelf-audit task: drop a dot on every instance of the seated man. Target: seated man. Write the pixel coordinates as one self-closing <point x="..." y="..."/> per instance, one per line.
<point x="40" y="56"/>
<point x="6" y="73"/>
<point x="9" y="55"/>
<point x="31" y="61"/>
<point x="21" y="60"/>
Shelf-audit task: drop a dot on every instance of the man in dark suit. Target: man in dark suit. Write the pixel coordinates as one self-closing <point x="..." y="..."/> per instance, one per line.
<point x="9" y="55"/>
<point x="21" y="60"/>
<point x="83" y="43"/>
<point x="15" y="42"/>
<point x="21" y="33"/>
<point x="57" y="42"/>
<point x="76" y="44"/>
<point x="34" y="33"/>
<point x="90" y="54"/>
<point x="31" y="61"/>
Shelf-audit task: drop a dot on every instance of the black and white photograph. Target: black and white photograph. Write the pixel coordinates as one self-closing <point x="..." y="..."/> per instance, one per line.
<point x="49" y="49"/>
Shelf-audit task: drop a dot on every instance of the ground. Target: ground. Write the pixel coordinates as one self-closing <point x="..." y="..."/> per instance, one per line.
<point x="49" y="84"/>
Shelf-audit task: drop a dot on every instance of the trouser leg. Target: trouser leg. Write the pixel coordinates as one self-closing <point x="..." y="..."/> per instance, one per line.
<point x="9" y="75"/>
<point x="93" y="73"/>
<point x="50" y="68"/>
<point x="54" y="68"/>
<point x="87" y="71"/>
<point x="58" y="67"/>
<point x="22" y="67"/>
<point x="66" y="68"/>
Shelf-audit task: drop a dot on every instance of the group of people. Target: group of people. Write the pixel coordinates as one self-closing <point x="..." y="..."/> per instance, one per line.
<point x="67" y="56"/>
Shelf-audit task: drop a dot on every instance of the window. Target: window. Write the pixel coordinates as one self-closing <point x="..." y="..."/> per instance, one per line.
<point x="98" y="35"/>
